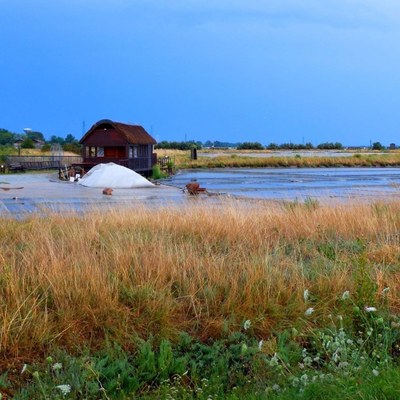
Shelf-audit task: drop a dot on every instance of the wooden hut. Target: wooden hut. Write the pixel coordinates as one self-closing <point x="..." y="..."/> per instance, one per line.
<point x="127" y="145"/>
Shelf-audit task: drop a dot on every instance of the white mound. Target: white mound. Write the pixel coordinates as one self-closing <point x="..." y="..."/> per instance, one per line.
<point x="113" y="176"/>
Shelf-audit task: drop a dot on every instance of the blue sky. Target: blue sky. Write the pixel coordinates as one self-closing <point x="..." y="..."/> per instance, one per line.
<point x="268" y="71"/>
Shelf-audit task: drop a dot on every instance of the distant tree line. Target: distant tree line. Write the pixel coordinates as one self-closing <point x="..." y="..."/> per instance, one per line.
<point x="28" y="140"/>
<point x="247" y="145"/>
<point x="250" y="146"/>
<point x="191" y="144"/>
<point x="70" y="143"/>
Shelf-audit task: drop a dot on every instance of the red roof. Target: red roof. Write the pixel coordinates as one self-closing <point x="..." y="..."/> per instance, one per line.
<point x="134" y="134"/>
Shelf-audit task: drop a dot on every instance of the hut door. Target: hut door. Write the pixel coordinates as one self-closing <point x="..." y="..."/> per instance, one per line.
<point x="110" y="152"/>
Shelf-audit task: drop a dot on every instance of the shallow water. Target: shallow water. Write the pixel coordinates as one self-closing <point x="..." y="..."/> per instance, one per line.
<point x="292" y="183"/>
<point x="26" y="194"/>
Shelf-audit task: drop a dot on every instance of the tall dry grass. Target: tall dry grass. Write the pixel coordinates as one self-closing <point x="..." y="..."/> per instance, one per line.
<point x="77" y="281"/>
<point x="240" y="158"/>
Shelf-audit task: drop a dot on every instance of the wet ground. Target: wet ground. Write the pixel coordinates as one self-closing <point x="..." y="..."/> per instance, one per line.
<point x="30" y="193"/>
<point x="291" y="183"/>
<point x="22" y="194"/>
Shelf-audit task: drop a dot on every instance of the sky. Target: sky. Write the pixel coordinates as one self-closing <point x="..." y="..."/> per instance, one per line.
<point x="229" y="70"/>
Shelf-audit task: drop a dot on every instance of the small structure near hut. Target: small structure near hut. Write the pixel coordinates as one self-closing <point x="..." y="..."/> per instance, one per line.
<point x="123" y="144"/>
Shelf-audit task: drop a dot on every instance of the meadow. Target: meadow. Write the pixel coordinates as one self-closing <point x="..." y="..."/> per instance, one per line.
<point x="240" y="158"/>
<point x="250" y="300"/>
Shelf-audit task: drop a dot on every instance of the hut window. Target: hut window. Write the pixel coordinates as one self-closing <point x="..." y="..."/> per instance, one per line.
<point x="142" y="151"/>
<point x="135" y="152"/>
<point x="100" y="152"/>
<point x="92" y="151"/>
<point x="130" y="152"/>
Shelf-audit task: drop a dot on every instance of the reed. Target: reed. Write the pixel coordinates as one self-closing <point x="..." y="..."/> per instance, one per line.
<point x="238" y="159"/>
<point x="79" y="281"/>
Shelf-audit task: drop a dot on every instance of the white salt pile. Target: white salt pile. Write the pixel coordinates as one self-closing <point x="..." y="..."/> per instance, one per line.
<point x="113" y="176"/>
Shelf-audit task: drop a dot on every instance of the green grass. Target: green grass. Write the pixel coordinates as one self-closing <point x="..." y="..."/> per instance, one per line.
<point x="326" y="363"/>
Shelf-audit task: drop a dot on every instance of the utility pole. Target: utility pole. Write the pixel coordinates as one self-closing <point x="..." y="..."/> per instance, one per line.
<point x="83" y="127"/>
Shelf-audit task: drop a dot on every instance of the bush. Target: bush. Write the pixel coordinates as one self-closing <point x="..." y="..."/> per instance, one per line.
<point x="377" y="146"/>
<point x="156" y="172"/>
<point x="250" y="146"/>
<point x="28" y="144"/>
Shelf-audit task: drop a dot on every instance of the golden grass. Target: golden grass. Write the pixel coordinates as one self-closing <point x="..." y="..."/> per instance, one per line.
<point x="75" y="281"/>
<point x="240" y="158"/>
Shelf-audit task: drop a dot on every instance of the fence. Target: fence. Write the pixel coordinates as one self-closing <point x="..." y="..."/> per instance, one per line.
<point x="39" y="162"/>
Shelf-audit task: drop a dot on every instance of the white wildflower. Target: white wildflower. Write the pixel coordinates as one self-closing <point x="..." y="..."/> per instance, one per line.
<point x="306" y="294"/>
<point x="274" y="361"/>
<point x="65" y="389"/>
<point x="246" y="324"/>
<point x="276" y="387"/>
<point x="25" y="366"/>
<point x="370" y="309"/>
<point x="309" y="311"/>
<point x="307" y="361"/>
<point x="345" y="295"/>
<point x="260" y="344"/>
<point x="304" y="379"/>
<point x="57" y="366"/>
<point x="375" y="372"/>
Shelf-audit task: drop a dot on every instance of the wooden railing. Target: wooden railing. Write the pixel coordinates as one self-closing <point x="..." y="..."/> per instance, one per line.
<point x="42" y="162"/>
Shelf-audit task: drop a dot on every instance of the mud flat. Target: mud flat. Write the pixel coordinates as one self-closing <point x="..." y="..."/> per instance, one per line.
<point x="361" y="184"/>
<point x="29" y="193"/>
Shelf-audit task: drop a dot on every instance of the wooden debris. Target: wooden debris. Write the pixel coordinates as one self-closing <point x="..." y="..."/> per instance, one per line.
<point x="194" y="188"/>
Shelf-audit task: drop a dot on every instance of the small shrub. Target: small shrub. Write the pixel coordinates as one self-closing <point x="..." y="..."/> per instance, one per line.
<point x="156" y="172"/>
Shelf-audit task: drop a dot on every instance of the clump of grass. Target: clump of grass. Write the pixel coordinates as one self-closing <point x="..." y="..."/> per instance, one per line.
<point x="157" y="173"/>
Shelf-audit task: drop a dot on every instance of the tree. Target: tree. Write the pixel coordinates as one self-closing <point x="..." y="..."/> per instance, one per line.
<point x="330" y="146"/>
<point x="377" y="146"/>
<point x="179" y="145"/>
<point x="250" y="146"/>
<point x="70" y="139"/>
<point x="35" y="136"/>
<point x="6" y="137"/>
<point x="57" y="139"/>
<point x="28" y="144"/>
